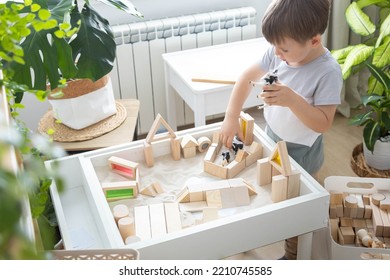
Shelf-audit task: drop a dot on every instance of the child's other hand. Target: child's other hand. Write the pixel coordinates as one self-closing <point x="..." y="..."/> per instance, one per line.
<point x="230" y="128"/>
<point x="278" y="94"/>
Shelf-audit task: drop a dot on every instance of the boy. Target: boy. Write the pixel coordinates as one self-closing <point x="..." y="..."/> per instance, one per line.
<point x="301" y="105"/>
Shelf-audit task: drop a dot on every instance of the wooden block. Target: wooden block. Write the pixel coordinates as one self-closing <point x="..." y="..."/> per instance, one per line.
<point x="264" y="175"/>
<point x="148" y="154"/>
<point x="360" y="206"/>
<point x="348" y="235"/>
<point x="126" y="227"/>
<point x="120" y="190"/>
<point x="367" y="211"/>
<point x="152" y="190"/>
<point x="334" y="227"/>
<point x="279" y="158"/>
<point x="385" y="203"/>
<point x="189" y="152"/>
<point x="196" y="193"/>
<point x="123" y="167"/>
<point x="120" y="211"/>
<point x="255" y="152"/>
<point x="340" y="210"/>
<point x="358" y="223"/>
<point x="157" y="220"/>
<point x="193" y="206"/>
<point x="279" y="188"/>
<point x="175" y="149"/>
<point x="336" y="198"/>
<point x="234" y="168"/>
<point x="158" y="122"/>
<point x="172" y="217"/>
<point x="247" y="126"/>
<point x="340" y="237"/>
<point x="346" y="222"/>
<point x="213" y="199"/>
<point x="203" y="144"/>
<point x="366" y="199"/>
<point x="234" y="197"/>
<point x="376" y="219"/>
<point x="241" y="155"/>
<point x="183" y="196"/>
<point x="332" y="211"/>
<point x="293" y="184"/>
<point x="376" y="198"/>
<point x="211" y="153"/>
<point x="386" y="222"/>
<point x="142" y="222"/>
<point x="215" y="169"/>
<point x="210" y="214"/>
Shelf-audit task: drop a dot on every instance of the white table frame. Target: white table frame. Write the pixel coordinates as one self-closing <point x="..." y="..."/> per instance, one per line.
<point x="225" y="61"/>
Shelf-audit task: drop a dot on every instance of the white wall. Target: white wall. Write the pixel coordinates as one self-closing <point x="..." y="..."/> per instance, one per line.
<point x="151" y="9"/>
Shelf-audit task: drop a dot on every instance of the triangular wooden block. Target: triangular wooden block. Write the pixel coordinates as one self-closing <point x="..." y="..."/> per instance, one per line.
<point x="279" y="158"/>
<point x="151" y="137"/>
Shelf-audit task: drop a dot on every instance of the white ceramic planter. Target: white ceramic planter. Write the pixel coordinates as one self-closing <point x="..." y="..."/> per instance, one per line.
<point x="380" y="159"/>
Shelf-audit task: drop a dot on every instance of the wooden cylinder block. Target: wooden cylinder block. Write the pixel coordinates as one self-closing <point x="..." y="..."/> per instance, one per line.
<point x="120" y="211"/>
<point x="350" y="201"/>
<point x="126" y="227"/>
<point x="377" y="197"/>
<point x="204" y="144"/>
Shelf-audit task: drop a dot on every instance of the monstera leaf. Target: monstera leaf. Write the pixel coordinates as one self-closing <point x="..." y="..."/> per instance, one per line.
<point x="82" y="46"/>
<point x="94" y="46"/>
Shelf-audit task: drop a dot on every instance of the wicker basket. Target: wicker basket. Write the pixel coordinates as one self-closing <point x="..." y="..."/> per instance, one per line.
<point x="360" y="167"/>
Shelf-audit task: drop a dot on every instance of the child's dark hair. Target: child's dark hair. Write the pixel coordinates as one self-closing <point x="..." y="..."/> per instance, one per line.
<point x="297" y="19"/>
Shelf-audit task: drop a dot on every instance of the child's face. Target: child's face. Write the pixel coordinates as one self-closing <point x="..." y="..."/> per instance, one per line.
<point x="293" y="52"/>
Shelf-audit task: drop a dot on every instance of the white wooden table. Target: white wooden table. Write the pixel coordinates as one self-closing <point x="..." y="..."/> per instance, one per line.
<point x="221" y="62"/>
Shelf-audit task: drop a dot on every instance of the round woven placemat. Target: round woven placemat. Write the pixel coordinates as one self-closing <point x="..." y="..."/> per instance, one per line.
<point x="360" y="167"/>
<point x="63" y="133"/>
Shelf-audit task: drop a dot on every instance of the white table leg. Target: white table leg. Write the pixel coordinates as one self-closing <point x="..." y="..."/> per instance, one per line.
<point x="304" y="246"/>
<point x="200" y="111"/>
<point x="170" y="100"/>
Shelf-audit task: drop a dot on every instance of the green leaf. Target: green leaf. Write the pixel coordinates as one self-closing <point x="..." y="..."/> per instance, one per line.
<point x="384" y="30"/>
<point x="381" y="56"/>
<point x="341" y="54"/>
<point x="386" y="120"/>
<point x="374" y="86"/>
<point x="360" y="119"/>
<point x="43" y="14"/>
<point x="359" y="22"/>
<point x="357" y="55"/>
<point x="94" y="45"/>
<point x="365" y="3"/>
<point x="379" y="75"/>
<point x="123" y="5"/>
<point x="371" y="99"/>
<point x="371" y="133"/>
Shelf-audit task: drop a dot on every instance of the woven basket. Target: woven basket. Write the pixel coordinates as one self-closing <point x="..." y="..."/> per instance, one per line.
<point x="360" y="167"/>
<point x="76" y="88"/>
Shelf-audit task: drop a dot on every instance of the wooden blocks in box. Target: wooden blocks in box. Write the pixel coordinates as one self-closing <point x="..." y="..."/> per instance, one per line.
<point x="122" y="189"/>
<point x="276" y="169"/>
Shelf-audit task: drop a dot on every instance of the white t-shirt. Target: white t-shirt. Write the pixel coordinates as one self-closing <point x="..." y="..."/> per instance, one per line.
<point x="319" y="82"/>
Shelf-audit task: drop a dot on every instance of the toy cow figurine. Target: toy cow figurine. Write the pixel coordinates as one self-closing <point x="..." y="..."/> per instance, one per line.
<point x="225" y="158"/>
<point x="237" y="145"/>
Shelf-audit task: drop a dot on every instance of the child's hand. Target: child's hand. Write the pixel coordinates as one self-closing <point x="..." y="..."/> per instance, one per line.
<point x="230" y="128"/>
<point x="278" y="94"/>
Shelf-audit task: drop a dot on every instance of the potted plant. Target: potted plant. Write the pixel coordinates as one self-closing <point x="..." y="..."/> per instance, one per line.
<point x="24" y="180"/>
<point x="372" y="54"/>
<point x="80" y="50"/>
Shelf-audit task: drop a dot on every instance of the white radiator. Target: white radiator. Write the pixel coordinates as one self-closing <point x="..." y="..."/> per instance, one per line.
<point x="139" y="70"/>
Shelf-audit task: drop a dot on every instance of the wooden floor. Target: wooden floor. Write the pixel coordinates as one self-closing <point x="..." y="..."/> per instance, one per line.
<point x="339" y="142"/>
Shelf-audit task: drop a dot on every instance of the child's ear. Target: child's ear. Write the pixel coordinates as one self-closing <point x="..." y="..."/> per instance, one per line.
<point x="316" y="40"/>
